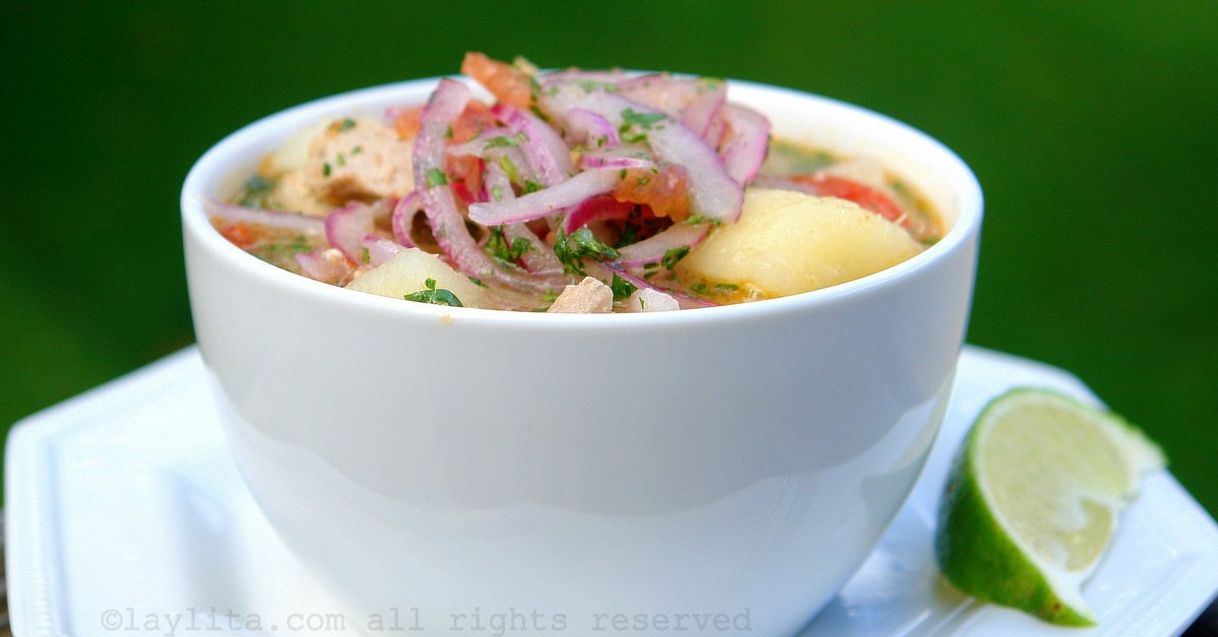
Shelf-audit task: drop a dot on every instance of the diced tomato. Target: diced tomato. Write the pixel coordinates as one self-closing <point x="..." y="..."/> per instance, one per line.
<point x="466" y="175"/>
<point x="407" y="121"/>
<point x="666" y="191"/>
<point x="865" y="196"/>
<point x="476" y="118"/>
<point x="507" y="83"/>
<point x="239" y="234"/>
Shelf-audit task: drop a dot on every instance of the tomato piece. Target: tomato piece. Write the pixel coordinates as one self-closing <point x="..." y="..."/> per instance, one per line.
<point x="507" y="83"/>
<point x="865" y="196"/>
<point x="406" y="123"/>
<point x="666" y="191"/>
<point x="476" y="118"/>
<point x="239" y="234"/>
<point x="466" y="175"/>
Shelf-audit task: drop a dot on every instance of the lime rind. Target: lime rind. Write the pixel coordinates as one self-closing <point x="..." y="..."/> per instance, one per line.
<point x="980" y="554"/>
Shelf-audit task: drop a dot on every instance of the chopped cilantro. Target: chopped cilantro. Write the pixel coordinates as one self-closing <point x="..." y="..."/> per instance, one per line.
<point x="630" y="234"/>
<point x="506" y="141"/>
<point x="590" y="86"/>
<point x="498" y="247"/>
<point x="433" y="296"/>
<point x="496" y="192"/>
<point x="346" y="124"/>
<point x="325" y="169"/>
<point x="632" y="138"/>
<point x="621" y="288"/>
<point x="256" y="188"/>
<point x="695" y="220"/>
<point x="342" y="161"/>
<point x="509" y="167"/>
<point x="621" y="174"/>
<point x="531" y="186"/>
<point x="727" y="287"/>
<point x="477" y="282"/>
<point x="579" y="245"/>
<point x="630" y="117"/>
<point x="673" y="256"/>
<point x="698" y="288"/>
<point x="539" y="113"/>
<point x="365" y="255"/>
<point x="357" y="150"/>
<point x="282" y="251"/>
<point x="435" y="177"/>
<point x="550" y="296"/>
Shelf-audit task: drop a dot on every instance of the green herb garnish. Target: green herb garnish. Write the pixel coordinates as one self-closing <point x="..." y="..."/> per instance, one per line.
<point x="433" y="296"/>
<point x="531" y="186"/>
<point x="579" y="245"/>
<point x="256" y="188"/>
<point x="499" y="248"/>
<point x="325" y="169"/>
<point x="506" y="141"/>
<point x="630" y="117"/>
<point x="630" y="234"/>
<point x="509" y="167"/>
<point x="436" y="177"/>
<point x="346" y="125"/>
<point x="365" y="255"/>
<point x="621" y="288"/>
<point x="673" y="256"/>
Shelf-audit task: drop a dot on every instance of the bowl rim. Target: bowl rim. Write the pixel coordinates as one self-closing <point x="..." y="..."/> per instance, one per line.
<point x="213" y="166"/>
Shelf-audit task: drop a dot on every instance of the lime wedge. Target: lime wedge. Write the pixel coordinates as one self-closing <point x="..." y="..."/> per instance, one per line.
<point x="1032" y="501"/>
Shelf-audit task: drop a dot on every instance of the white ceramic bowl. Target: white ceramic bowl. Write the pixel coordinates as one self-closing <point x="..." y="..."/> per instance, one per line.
<point x="670" y="467"/>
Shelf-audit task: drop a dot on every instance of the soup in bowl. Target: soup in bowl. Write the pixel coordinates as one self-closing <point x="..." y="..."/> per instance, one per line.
<point x="734" y="463"/>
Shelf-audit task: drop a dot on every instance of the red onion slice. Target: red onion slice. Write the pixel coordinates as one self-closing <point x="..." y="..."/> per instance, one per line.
<point x="618" y="158"/>
<point x="540" y="257"/>
<point x="653" y="248"/>
<point x="713" y="192"/>
<point x="347" y="226"/>
<point x="376" y="250"/>
<point x="748" y="139"/>
<point x="402" y="220"/>
<point x="591" y="129"/>
<point x="542" y="147"/>
<point x="447" y="224"/>
<point x="597" y="208"/>
<point x="290" y="221"/>
<point x="590" y="79"/>
<point x="686" y="301"/>
<point x="694" y="101"/>
<point x="544" y="202"/>
<point x="478" y="146"/>
<point x="704" y="107"/>
<point x="326" y="265"/>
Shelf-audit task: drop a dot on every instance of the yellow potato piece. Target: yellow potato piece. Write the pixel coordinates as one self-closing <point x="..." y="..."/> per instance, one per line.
<point x="408" y="272"/>
<point x="788" y="242"/>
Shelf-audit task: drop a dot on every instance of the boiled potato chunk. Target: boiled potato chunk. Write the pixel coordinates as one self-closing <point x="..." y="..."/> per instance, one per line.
<point x="788" y="242"/>
<point x="408" y="272"/>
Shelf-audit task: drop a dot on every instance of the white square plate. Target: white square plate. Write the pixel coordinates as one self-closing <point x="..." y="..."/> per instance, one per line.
<point x="125" y="514"/>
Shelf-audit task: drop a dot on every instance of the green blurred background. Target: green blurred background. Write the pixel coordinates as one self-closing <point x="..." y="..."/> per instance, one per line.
<point x="1092" y="126"/>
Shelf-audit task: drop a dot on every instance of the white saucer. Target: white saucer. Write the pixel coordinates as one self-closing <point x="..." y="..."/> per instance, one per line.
<point x="125" y="513"/>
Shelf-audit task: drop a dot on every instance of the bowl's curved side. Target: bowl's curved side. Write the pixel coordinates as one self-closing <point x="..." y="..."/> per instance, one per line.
<point x="739" y="460"/>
